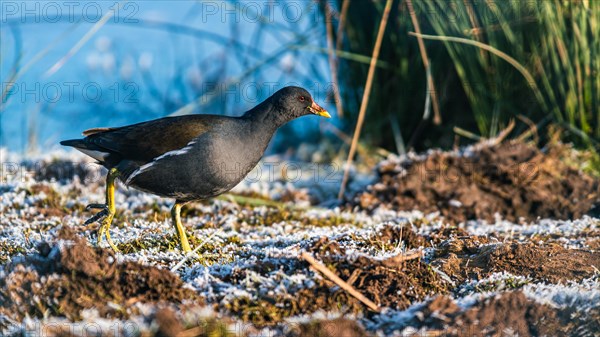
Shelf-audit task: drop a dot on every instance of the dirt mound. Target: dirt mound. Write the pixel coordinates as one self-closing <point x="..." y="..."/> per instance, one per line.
<point x="269" y="308"/>
<point x="169" y="324"/>
<point x="464" y="258"/>
<point x="514" y="180"/>
<point x="66" y="278"/>
<point x="388" y="283"/>
<point x="396" y="236"/>
<point x="339" y="327"/>
<point x="511" y="311"/>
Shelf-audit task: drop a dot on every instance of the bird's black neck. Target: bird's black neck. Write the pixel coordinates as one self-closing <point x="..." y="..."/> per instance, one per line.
<point x="266" y="116"/>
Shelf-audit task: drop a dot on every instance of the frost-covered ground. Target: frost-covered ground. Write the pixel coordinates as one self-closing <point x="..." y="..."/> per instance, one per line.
<point x="250" y="280"/>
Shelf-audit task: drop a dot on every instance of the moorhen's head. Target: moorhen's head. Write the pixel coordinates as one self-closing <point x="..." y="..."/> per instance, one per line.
<point x="293" y="102"/>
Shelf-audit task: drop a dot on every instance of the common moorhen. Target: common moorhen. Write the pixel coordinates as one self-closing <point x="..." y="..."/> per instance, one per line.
<point x="190" y="157"/>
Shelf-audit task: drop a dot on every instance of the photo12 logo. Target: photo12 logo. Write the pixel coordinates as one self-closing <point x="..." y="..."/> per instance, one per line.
<point x="53" y="92"/>
<point x="67" y="11"/>
<point x="265" y="11"/>
<point x="88" y="328"/>
<point x="255" y="92"/>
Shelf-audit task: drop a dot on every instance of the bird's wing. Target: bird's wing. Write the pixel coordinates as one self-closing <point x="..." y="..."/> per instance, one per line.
<point x="145" y="141"/>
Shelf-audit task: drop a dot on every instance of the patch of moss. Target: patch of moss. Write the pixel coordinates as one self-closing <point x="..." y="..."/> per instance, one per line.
<point x="165" y="242"/>
<point x="392" y="239"/>
<point x="9" y="250"/>
<point x="272" y="309"/>
<point x="259" y="312"/>
<point x="209" y="328"/>
<point x="234" y="239"/>
<point x="208" y="254"/>
<point x="276" y="215"/>
<point x="153" y="212"/>
<point x="509" y="283"/>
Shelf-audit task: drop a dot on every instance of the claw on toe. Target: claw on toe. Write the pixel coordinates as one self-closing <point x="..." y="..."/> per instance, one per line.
<point x="107" y="210"/>
<point x="106" y="217"/>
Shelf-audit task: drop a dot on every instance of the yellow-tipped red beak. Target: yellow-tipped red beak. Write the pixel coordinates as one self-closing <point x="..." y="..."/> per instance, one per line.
<point x="317" y="110"/>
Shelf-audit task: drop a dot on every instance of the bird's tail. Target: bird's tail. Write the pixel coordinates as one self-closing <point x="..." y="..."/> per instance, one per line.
<point x="90" y="149"/>
<point x="76" y="143"/>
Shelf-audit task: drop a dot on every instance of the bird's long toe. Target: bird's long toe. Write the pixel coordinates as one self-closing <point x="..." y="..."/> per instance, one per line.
<point x="97" y="217"/>
<point x="104" y="231"/>
<point x="96" y="206"/>
<point x="100" y="235"/>
<point x="110" y="242"/>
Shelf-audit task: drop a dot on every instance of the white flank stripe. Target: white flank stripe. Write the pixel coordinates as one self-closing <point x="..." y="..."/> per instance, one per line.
<point x="147" y="166"/>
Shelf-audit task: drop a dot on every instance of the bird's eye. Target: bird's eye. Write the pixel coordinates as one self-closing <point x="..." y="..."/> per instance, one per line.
<point x="301" y="98"/>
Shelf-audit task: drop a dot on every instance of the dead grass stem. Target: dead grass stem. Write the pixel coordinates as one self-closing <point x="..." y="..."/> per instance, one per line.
<point x="366" y="94"/>
<point x="341" y="283"/>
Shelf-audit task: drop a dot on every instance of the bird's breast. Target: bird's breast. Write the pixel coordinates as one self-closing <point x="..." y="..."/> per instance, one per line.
<point x="232" y="158"/>
<point x="214" y="164"/>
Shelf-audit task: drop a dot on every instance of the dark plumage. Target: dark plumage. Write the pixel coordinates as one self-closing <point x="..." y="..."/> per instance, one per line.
<point x="192" y="157"/>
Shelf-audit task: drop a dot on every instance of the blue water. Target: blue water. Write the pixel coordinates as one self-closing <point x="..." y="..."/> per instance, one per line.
<point x="149" y="60"/>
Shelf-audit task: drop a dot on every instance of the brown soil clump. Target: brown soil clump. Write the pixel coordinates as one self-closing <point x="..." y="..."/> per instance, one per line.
<point x="394" y="235"/>
<point x="340" y="327"/>
<point x="514" y="180"/>
<point x="387" y="283"/>
<point x="464" y="258"/>
<point x="168" y="323"/>
<point x="270" y="308"/>
<point x="66" y="278"/>
<point x="511" y="311"/>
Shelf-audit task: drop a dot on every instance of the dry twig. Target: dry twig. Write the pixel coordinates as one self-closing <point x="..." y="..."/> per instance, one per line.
<point x="366" y="94"/>
<point x="193" y="252"/>
<point x="403" y="257"/>
<point x="341" y="24"/>
<point x="333" y="277"/>
<point x="504" y="133"/>
<point x="532" y="131"/>
<point x="332" y="59"/>
<point x="437" y="117"/>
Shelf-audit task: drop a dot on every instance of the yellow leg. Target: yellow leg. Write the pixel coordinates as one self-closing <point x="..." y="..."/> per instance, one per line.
<point x="176" y="215"/>
<point x="110" y="208"/>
